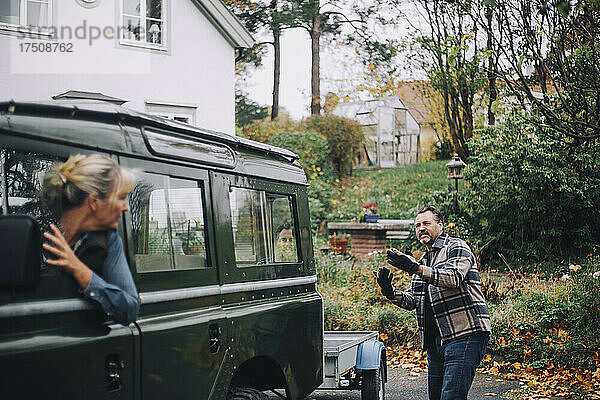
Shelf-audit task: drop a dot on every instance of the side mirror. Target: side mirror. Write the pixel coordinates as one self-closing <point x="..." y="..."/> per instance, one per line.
<point x="20" y="251"/>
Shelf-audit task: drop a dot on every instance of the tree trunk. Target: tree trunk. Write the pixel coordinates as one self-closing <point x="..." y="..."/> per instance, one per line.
<point x="491" y="73"/>
<point x="276" y="72"/>
<point x="315" y="79"/>
<point x="453" y="116"/>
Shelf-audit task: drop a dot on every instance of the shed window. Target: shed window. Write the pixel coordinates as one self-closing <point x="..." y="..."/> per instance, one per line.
<point x="263" y="227"/>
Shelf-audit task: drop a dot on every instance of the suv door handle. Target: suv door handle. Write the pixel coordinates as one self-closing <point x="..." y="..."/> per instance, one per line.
<point x="112" y="373"/>
<point x="214" y="331"/>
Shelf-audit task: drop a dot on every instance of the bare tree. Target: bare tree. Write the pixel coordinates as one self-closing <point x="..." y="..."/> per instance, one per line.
<point x="549" y="59"/>
<point x="352" y="22"/>
<point x="451" y="53"/>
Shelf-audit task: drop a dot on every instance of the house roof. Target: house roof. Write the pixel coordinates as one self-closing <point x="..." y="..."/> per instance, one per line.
<point x="412" y="96"/>
<point x="227" y="23"/>
<point x="364" y="111"/>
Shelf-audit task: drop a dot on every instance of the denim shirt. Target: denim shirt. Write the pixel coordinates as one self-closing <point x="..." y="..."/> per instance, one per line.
<point x="113" y="288"/>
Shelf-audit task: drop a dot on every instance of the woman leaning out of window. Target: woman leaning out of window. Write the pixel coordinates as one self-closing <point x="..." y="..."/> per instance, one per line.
<point x="88" y="194"/>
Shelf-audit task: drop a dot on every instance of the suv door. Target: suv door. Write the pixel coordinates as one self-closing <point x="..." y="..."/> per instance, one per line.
<point x="53" y="343"/>
<point x="269" y="284"/>
<point x="170" y="241"/>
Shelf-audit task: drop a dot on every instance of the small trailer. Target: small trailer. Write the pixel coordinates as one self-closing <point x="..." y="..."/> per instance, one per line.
<point x="355" y="360"/>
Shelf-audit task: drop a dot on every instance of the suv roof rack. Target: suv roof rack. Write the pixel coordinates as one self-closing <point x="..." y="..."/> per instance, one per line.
<point x="102" y="110"/>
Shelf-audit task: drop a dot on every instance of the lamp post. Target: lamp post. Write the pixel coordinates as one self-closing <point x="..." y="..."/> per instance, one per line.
<point x="455" y="169"/>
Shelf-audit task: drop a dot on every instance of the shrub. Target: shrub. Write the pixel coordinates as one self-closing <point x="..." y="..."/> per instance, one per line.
<point x="247" y="110"/>
<point x="533" y="198"/>
<point x="352" y="300"/>
<point x="344" y="137"/>
<point x="263" y="130"/>
<point x="320" y="195"/>
<point x="313" y="150"/>
<point x="538" y="323"/>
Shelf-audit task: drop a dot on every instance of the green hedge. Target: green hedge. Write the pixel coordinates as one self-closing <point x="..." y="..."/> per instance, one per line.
<point x="313" y="150"/>
<point x="533" y="198"/>
<point x="528" y="200"/>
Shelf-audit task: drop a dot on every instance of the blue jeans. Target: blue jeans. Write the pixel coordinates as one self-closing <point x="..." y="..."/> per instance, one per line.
<point x="451" y="368"/>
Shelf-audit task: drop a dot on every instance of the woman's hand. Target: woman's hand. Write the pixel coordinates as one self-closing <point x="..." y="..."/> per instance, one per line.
<point x="66" y="258"/>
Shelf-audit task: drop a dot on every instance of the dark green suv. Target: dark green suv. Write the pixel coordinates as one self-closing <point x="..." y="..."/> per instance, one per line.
<point x="219" y="245"/>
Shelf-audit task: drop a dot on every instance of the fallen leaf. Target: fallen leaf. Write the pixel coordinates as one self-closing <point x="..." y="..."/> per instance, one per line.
<point x="517" y="366"/>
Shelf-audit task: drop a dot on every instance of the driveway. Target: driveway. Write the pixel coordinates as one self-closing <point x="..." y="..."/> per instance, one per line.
<point x="401" y="385"/>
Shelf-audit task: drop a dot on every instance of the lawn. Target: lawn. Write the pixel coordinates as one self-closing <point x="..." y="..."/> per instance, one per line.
<point x="397" y="191"/>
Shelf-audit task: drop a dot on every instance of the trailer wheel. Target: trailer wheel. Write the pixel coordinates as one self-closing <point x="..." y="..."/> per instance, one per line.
<point x="373" y="386"/>
<point x="241" y="393"/>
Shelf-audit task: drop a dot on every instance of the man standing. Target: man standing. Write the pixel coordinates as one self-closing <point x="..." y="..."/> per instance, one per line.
<point x="445" y="289"/>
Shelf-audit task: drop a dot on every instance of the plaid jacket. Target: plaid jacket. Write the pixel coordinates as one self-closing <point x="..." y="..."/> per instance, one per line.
<point x="454" y="291"/>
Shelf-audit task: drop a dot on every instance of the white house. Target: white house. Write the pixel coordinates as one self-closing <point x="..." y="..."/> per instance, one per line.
<point x="174" y="58"/>
<point x="392" y="134"/>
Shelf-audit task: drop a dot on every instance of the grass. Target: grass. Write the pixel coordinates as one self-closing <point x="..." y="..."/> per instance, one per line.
<point x="397" y="191"/>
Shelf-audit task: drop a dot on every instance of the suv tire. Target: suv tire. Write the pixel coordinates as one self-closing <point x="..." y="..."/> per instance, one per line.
<point x="241" y="393"/>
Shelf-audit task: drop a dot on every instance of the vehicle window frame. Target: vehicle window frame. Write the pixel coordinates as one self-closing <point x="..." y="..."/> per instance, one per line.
<point x="292" y="201"/>
<point x="53" y="286"/>
<point x="231" y="271"/>
<point x="176" y="278"/>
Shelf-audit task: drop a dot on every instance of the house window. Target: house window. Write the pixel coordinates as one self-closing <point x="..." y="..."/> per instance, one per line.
<point x="143" y="21"/>
<point x="174" y="117"/>
<point x="174" y="111"/>
<point x="35" y="13"/>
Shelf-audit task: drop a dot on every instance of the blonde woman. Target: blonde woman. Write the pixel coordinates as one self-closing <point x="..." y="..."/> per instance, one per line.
<point x="88" y="194"/>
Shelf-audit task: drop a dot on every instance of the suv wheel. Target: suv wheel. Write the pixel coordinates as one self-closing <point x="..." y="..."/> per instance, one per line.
<point x="239" y="393"/>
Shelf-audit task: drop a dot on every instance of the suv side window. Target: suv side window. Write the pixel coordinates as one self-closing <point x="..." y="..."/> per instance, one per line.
<point x="168" y="223"/>
<point x="263" y="227"/>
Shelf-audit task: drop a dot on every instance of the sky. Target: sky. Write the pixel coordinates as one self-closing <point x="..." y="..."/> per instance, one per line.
<point x="294" y="94"/>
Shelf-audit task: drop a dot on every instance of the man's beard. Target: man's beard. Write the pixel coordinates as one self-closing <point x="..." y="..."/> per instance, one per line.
<point x="425" y="239"/>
